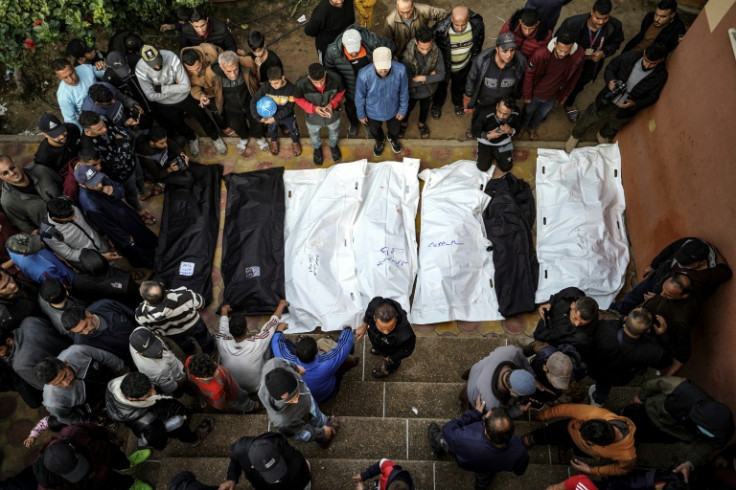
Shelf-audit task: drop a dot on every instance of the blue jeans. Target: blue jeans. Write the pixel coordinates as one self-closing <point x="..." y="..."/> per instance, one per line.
<point x="318" y="420"/>
<point x="534" y="112"/>
<point x="333" y="132"/>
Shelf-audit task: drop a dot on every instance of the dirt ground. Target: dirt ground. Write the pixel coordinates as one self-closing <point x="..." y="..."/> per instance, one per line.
<point x="297" y="52"/>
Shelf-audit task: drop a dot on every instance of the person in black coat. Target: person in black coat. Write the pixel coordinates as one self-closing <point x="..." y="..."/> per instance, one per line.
<point x="269" y="463"/>
<point x="18" y="299"/>
<point x="569" y="317"/>
<point x="201" y="29"/>
<point x="664" y="24"/>
<point x="390" y="334"/>
<point x="105" y="324"/>
<point x="329" y="18"/>
<point x="634" y="81"/>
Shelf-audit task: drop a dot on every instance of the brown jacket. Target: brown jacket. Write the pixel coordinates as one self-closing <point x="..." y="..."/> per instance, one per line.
<point x="400" y="34"/>
<point x="247" y="68"/>
<point x="205" y="81"/>
<point x="622" y="452"/>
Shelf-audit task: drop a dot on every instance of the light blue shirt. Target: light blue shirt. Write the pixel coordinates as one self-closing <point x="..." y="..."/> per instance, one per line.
<point x="70" y="98"/>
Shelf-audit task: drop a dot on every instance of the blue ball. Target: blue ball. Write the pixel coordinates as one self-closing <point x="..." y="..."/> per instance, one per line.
<point x="266" y="107"/>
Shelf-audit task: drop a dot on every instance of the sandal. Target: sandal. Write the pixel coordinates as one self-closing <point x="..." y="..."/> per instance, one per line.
<point x="274" y="147"/>
<point x="229" y="132"/>
<point x="297" y="148"/>
<point x="533" y="135"/>
<point x="572" y="114"/>
<point x="379" y="372"/>
<point x="154" y="191"/>
<point x="148" y="218"/>
<point x="459" y="110"/>
<point x="469" y="135"/>
<point x="436" y="112"/>
<point x="424" y="132"/>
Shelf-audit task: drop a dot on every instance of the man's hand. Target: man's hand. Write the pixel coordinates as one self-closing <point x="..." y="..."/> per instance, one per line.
<point x="280" y="308"/>
<point x="363" y="120"/>
<point x="301" y="370"/>
<point x="527" y="101"/>
<point x="109" y="256"/>
<point x="662" y="327"/>
<point x="480" y="405"/>
<point x="130" y="122"/>
<point x="325" y="111"/>
<point x="359" y="486"/>
<point x="612" y="84"/>
<point x="597" y="56"/>
<point x="399" y="117"/>
<point x="506" y="128"/>
<point x="108" y="189"/>
<point x="627" y="104"/>
<point x="525" y="408"/>
<point x="269" y="120"/>
<point x="580" y="466"/>
<point x="329" y="431"/>
<point x="240" y="52"/>
<point x="227" y="485"/>
<point x="357" y="478"/>
<point x="419" y="79"/>
<point x="281" y="327"/>
<point x="648" y="296"/>
<point x="164" y="28"/>
<point x="360" y="331"/>
<point x="100" y="65"/>
<point x="544" y="308"/>
<point x="203" y="100"/>
<point x="225" y="310"/>
<point x="684" y="469"/>
<point x="637" y="400"/>
<point x="647" y="272"/>
<point x="492" y="135"/>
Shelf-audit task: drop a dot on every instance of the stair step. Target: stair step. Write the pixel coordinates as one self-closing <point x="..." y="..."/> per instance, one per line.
<point x="328" y="474"/>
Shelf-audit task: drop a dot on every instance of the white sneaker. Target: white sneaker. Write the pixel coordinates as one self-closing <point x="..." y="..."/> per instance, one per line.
<point x="262" y="144"/>
<point x="243" y="144"/>
<point x="194" y="146"/>
<point x="591" y="390"/>
<point x="221" y="146"/>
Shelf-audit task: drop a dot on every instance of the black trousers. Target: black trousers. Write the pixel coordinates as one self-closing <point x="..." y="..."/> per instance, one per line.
<point x="587" y="76"/>
<point x="423" y="109"/>
<point x="487" y="154"/>
<point x="351" y="111"/>
<point x="376" y="128"/>
<point x="457" y="87"/>
<point x="243" y="122"/>
<point x="646" y="430"/>
<point x="556" y="434"/>
<point x="171" y="117"/>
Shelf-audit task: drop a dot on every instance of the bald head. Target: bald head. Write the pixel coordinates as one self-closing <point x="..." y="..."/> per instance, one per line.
<point x="460" y="18"/>
<point x="405" y="8"/>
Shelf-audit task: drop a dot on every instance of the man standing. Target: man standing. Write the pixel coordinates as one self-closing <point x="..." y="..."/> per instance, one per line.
<point x="661" y="26"/>
<point x="496" y="73"/>
<point x="402" y="24"/>
<point x="60" y="145"/>
<point x="319" y="94"/>
<point x="202" y="29"/>
<point x="600" y="36"/>
<point x="551" y="75"/>
<point x="549" y="10"/>
<point x="347" y="55"/>
<point x="529" y="29"/>
<point x="74" y="83"/>
<point x="633" y="82"/>
<point x="329" y="18"/>
<point x="494" y="127"/>
<point x="390" y="334"/>
<point x="174" y="313"/>
<point x="460" y="37"/>
<point x="154" y="359"/>
<point x="54" y="299"/>
<point x="382" y="94"/>
<point x="483" y="443"/>
<point x="206" y="87"/>
<point x="25" y="193"/>
<point x="166" y="84"/>
<point x="105" y="324"/>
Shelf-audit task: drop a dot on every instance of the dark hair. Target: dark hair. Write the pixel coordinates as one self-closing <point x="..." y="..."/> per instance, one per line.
<point x="565" y="37"/>
<point x="49" y="368"/>
<point x="499" y="426"/>
<point x="135" y="385"/>
<point x="182" y="13"/>
<point x="52" y="291"/>
<point x="275" y="73"/>
<point x="71" y="317"/>
<point x="88" y="154"/>
<point x="508" y="101"/>
<point x="529" y="16"/>
<point x="656" y="52"/>
<point x="682" y="281"/>
<point x="316" y="71"/>
<point x="190" y="56"/>
<point x="152" y="292"/>
<point x="256" y="40"/>
<point x="597" y="431"/>
<point x="398" y="485"/>
<point x="202" y="366"/>
<point x="238" y="325"/>
<point x="587" y="307"/>
<point x="385" y="312"/>
<point x="88" y="119"/>
<point x="306" y="349"/>
<point x="54" y="425"/>
<point x="59" y="207"/>
<point x="196" y="14"/>
<point x="603" y="7"/>
<point x="133" y="43"/>
<point x="638" y="321"/>
<point x="157" y="133"/>
<point x="667" y="5"/>
<point x="424" y="34"/>
<point x="59" y="64"/>
<point x="99" y="93"/>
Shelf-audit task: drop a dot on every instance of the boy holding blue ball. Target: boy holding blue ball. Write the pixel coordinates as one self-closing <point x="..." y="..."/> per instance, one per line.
<point x="278" y="110"/>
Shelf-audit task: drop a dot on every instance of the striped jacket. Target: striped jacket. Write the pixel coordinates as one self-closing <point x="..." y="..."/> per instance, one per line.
<point x="176" y="314"/>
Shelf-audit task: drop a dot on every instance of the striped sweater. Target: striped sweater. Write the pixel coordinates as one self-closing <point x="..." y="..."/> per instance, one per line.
<point x="177" y="313"/>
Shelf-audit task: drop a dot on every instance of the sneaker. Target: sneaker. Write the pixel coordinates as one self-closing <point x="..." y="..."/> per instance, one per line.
<point x="571" y="143"/>
<point x="317" y="157"/>
<point x="395" y="145"/>
<point x="591" y="392"/>
<point x="353" y="131"/>
<point x="138" y="457"/>
<point x="378" y="148"/>
<point x="438" y="443"/>
<point x="336" y="153"/>
<point x="140" y="485"/>
<point x="243" y="144"/>
<point x="221" y="146"/>
<point x="204" y="429"/>
<point x="194" y="146"/>
<point x="262" y="144"/>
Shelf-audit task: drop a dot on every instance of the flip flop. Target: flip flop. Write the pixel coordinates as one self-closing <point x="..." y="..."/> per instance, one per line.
<point x="153" y="192"/>
<point x="572" y="115"/>
<point x="378" y="372"/>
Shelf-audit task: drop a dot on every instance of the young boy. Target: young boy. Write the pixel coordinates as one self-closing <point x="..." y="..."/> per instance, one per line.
<point x="216" y="385"/>
<point x="281" y="91"/>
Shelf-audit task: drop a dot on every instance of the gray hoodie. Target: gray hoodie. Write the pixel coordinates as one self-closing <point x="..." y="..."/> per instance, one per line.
<point x="72" y="237"/>
<point x="172" y="78"/>
<point x="289" y="418"/>
<point x="33" y="341"/>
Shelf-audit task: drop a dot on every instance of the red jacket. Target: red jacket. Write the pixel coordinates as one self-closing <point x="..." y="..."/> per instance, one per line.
<point x="220" y="390"/>
<point x="527" y="45"/>
<point x="537" y="66"/>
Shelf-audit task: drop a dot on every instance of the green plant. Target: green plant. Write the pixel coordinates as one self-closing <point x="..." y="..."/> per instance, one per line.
<point x="26" y="25"/>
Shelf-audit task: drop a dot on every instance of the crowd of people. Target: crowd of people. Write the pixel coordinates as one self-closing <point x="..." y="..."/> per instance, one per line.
<point x="98" y="346"/>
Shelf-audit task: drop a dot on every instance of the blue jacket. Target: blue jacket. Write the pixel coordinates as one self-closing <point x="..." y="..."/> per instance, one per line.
<point x="382" y="98"/>
<point x="41" y="266"/>
<point x="320" y="373"/>
<point x="473" y="451"/>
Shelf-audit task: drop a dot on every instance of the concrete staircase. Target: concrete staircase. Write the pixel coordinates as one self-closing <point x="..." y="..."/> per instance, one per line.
<point x="385" y="418"/>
